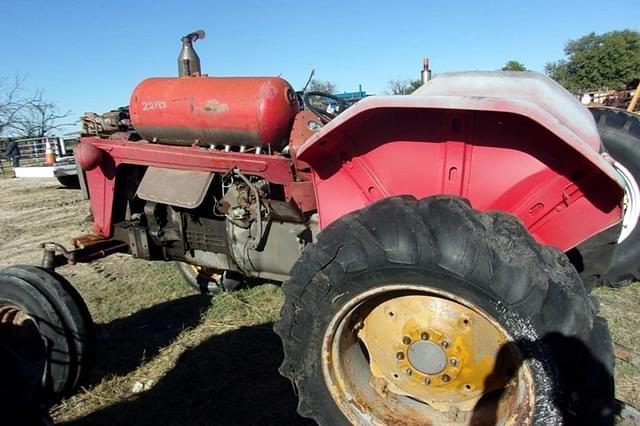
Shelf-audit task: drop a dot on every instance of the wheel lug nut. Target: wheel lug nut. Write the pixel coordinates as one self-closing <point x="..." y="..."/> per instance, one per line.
<point x="446" y="378"/>
<point x="445" y="344"/>
<point x="454" y="362"/>
<point x="427" y="380"/>
<point x="408" y="371"/>
<point x="424" y="335"/>
<point x="400" y="355"/>
<point x="406" y="340"/>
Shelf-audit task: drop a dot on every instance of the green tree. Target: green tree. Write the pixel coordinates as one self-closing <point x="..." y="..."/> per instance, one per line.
<point x="596" y="61"/>
<point x="514" y="66"/>
<point x="402" y="87"/>
<point x="323" y="86"/>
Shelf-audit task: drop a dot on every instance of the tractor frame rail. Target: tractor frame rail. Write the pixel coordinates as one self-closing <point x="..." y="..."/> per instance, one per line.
<point x="85" y="248"/>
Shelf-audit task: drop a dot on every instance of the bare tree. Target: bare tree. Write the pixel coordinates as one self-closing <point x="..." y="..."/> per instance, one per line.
<point x="402" y="87"/>
<point x="38" y="118"/>
<point x="26" y="115"/>
<point x="11" y="101"/>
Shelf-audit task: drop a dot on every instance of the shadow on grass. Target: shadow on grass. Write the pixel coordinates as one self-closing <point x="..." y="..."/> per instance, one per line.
<point x="230" y="379"/>
<point x="124" y="344"/>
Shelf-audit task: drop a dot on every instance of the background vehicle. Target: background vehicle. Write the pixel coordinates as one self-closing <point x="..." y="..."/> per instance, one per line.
<point x="422" y="238"/>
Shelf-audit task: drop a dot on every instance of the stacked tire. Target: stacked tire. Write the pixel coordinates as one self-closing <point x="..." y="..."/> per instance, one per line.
<point x="620" y="134"/>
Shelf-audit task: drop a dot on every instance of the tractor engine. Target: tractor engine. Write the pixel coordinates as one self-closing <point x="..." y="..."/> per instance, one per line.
<point x="236" y="224"/>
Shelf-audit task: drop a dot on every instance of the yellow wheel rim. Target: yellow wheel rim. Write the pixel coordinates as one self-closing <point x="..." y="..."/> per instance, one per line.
<point x="409" y="354"/>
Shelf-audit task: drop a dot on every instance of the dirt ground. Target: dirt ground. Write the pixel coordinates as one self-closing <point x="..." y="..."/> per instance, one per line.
<point x="167" y="356"/>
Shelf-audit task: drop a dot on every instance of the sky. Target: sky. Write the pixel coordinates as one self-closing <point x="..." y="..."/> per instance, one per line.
<point x="89" y="55"/>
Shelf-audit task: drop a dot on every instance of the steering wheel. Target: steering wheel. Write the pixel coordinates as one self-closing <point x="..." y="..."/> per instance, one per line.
<point x="324" y="116"/>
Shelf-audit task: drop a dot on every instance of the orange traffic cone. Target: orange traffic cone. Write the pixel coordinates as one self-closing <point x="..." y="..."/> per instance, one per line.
<point x="49" y="156"/>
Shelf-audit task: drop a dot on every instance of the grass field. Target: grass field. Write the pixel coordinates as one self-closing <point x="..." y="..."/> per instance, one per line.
<point x="167" y="356"/>
<point x="201" y="360"/>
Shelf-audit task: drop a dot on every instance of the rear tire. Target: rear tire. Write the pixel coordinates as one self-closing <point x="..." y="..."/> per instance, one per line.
<point x="46" y="324"/>
<point x="440" y="251"/>
<point x="620" y="134"/>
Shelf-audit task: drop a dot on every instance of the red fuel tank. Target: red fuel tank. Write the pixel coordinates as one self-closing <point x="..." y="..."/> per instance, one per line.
<point x="236" y="111"/>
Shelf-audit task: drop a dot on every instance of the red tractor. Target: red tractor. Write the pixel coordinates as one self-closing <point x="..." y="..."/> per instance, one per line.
<point x="436" y="249"/>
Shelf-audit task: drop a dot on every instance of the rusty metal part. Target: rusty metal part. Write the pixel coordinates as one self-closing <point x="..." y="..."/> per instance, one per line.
<point x="210" y="274"/>
<point x="106" y="124"/>
<point x="302" y="194"/>
<point x="257" y="238"/>
<point x="403" y="351"/>
<point x="284" y="211"/>
<point x="625" y="354"/>
<point x="86" y="248"/>
<point x="305" y="125"/>
<point x="213" y="278"/>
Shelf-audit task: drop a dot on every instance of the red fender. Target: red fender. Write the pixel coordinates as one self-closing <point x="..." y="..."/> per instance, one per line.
<point x="515" y="142"/>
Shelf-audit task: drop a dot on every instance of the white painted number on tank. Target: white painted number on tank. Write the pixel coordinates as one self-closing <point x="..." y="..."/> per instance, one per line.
<point x="153" y="105"/>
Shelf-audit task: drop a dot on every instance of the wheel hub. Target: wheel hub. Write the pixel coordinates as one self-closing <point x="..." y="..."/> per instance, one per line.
<point x="432" y="349"/>
<point x="427" y="357"/>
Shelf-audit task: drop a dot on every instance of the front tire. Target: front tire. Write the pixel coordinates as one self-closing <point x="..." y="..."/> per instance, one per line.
<point x="47" y="326"/>
<point x="430" y="312"/>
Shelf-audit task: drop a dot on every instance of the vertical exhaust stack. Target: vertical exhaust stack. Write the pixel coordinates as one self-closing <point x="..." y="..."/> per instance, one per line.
<point x="425" y="74"/>
<point x="188" y="60"/>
